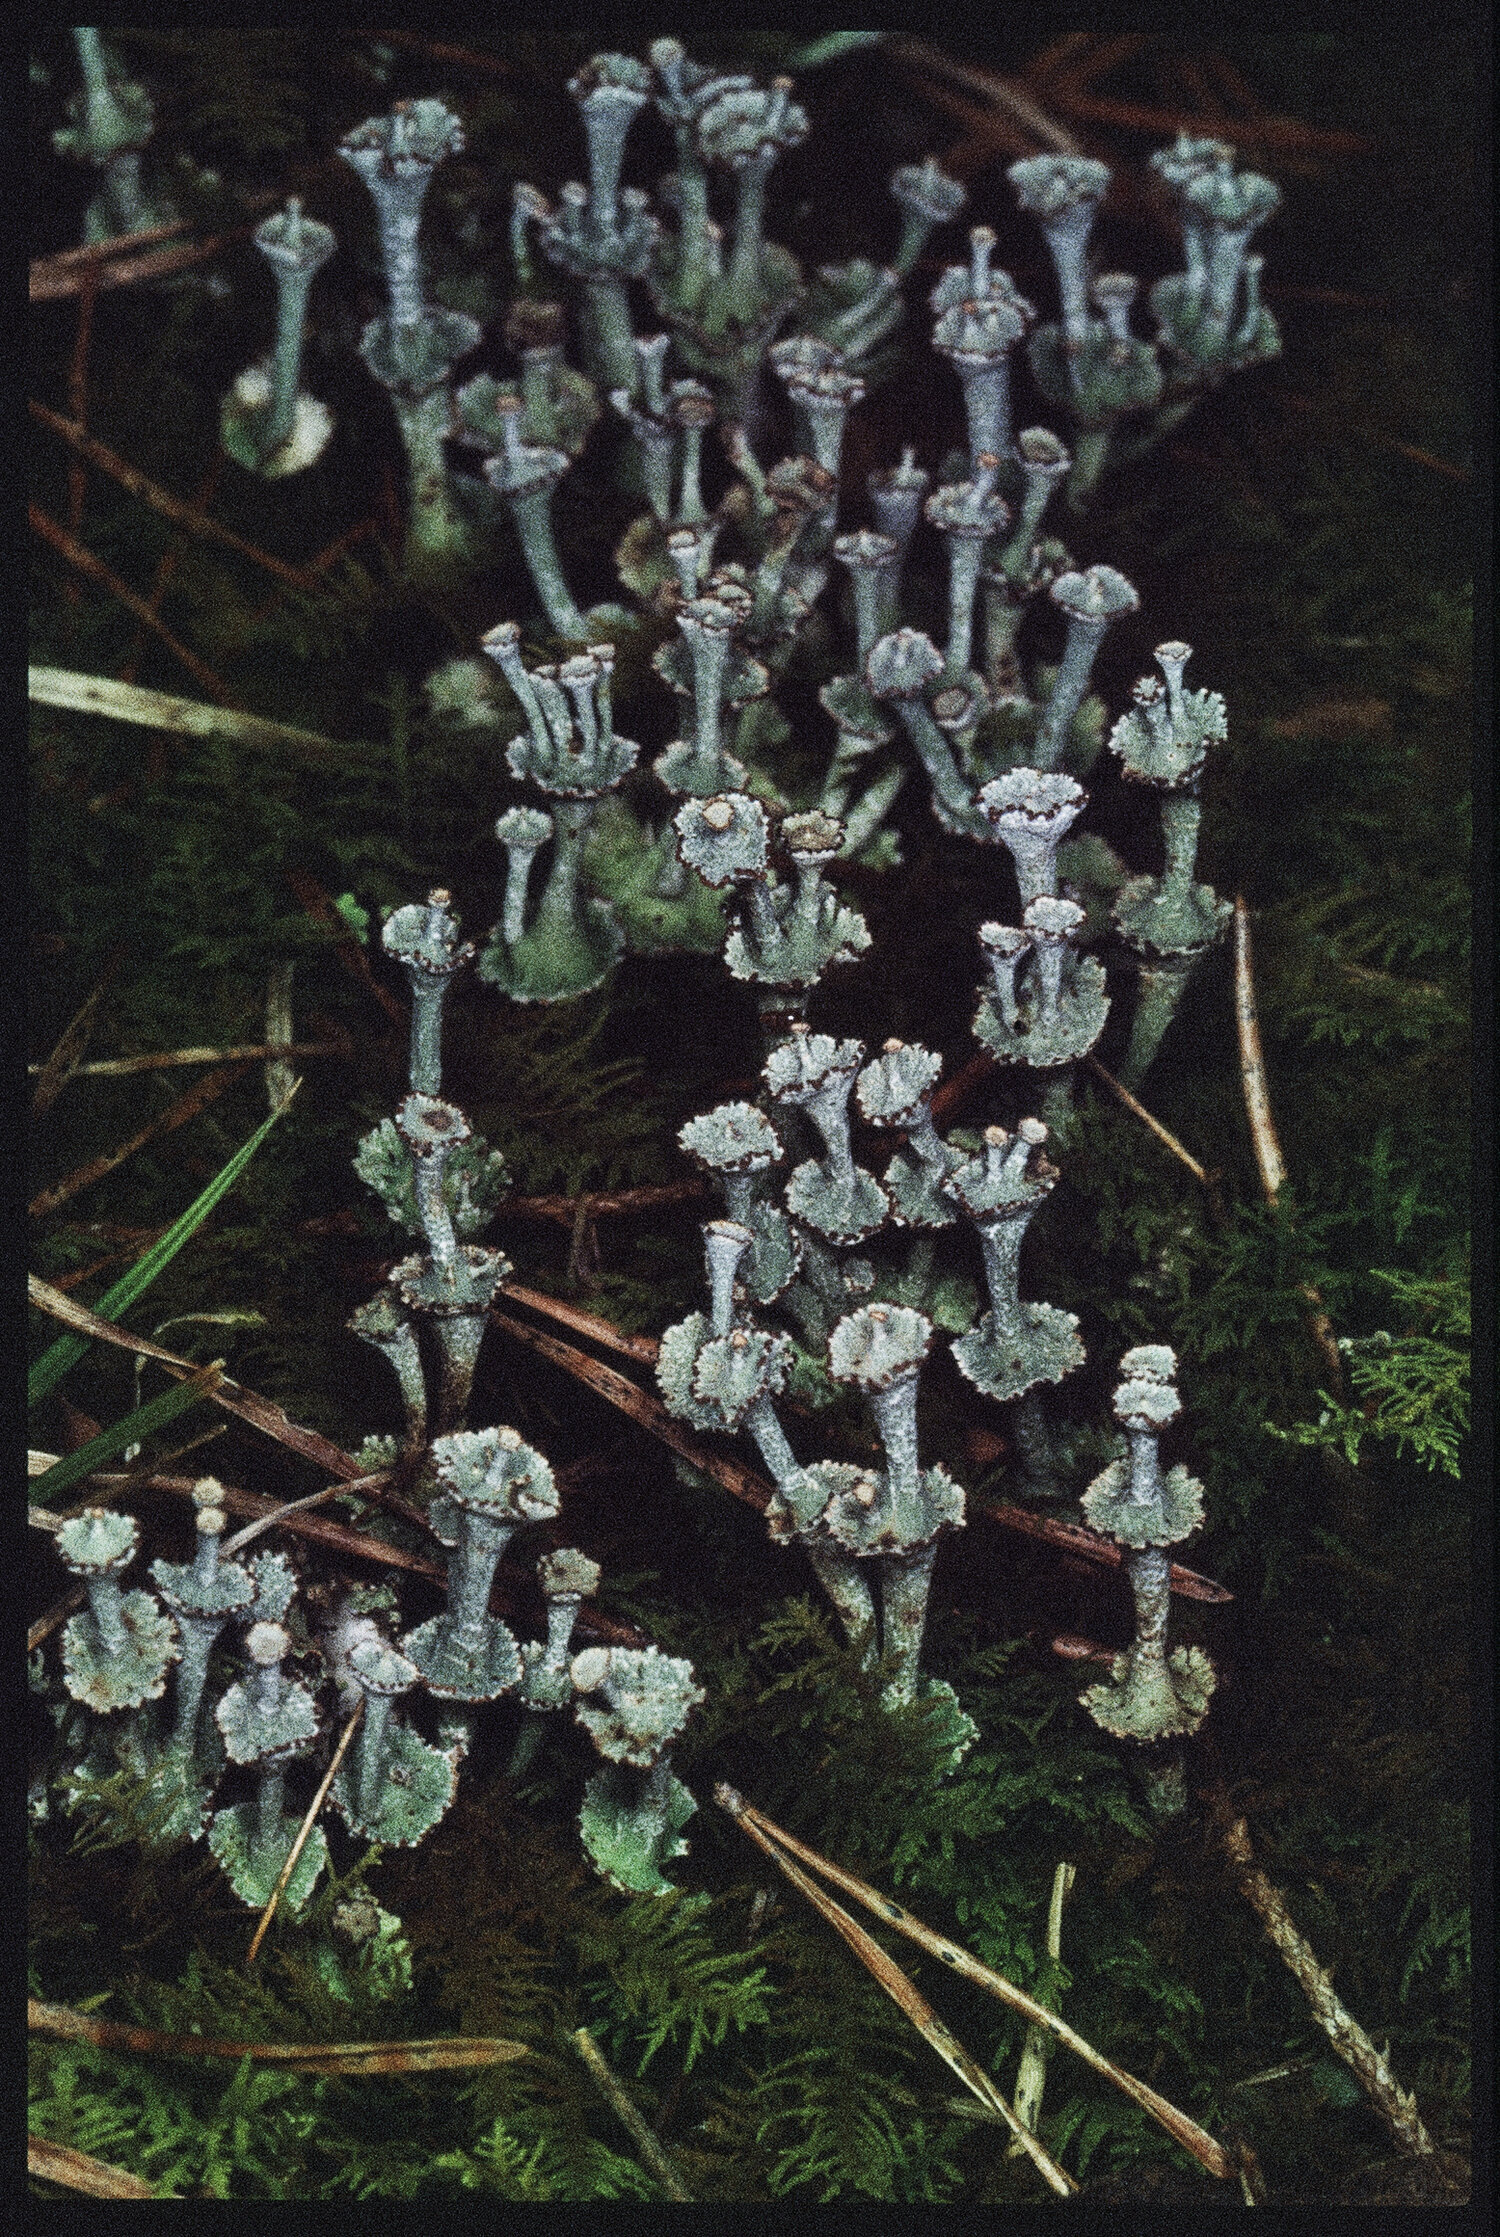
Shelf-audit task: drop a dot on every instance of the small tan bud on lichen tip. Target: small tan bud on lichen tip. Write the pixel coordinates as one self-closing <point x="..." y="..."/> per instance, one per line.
<point x="210" y="1521"/>
<point x="996" y="1136"/>
<point x="894" y="1048"/>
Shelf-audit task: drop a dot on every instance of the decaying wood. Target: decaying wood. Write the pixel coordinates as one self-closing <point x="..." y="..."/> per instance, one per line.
<point x="1178" y="2125"/>
<point x="1268" y="1157"/>
<point x="421" y="2057"/>
<point x="1371" y="2067"/>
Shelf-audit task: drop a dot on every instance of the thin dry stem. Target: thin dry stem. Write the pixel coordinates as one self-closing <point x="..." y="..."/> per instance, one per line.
<point x="630" y="2118"/>
<point x="905" y="1994"/>
<point x="1178" y="2125"/>
<point x="77" y="555"/>
<point x="303" y="1832"/>
<point x="1263" y="1134"/>
<point x="1371" y="2067"/>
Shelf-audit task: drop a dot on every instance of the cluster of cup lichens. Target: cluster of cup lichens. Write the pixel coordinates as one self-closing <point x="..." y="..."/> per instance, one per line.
<point x="1003" y="742"/>
<point x="440" y="1181"/>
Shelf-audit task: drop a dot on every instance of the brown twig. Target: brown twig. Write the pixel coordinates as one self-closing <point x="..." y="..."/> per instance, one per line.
<point x="59" y="2163"/>
<point x="1268" y="1155"/>
<point x="898" y="1986"/>
<point x="166" y="568"/>
<point x="1209" y="1178"/>
<point x="120" y="244"/>
<point x="1081" y="58"/>
<point x="642" y="1348"/>
<point x="176" y="1114"/>
<point x="567" y="1210"/>
<point x="165" y="1060"/>
<point x="77" y="555"/>
<point x="261" y="1413"/>
<point x="78" y="393"/>
<point x="191" y="517"/>
<point x="1371" y="2067"/>
<point x="60" y="1066"/>
<point x="1072" y="1647"/>
<point x="58" y="1613"/>
<point x="629" y="2116"/>
<point x="68" y="2026"/>
<point x="746" y="1484"/>
<point x="1008" y="94"/>
<point x="735" y="1477"/>
<point x="1179" y="2126"/>
<point x="303" y="1832"/>
<point x="336" y="1537"/>
<point x="465" y="56"/>
<point x="1091" y="1545"/>
<point x="51" y="278"/>
<point x="951" y="1093"/>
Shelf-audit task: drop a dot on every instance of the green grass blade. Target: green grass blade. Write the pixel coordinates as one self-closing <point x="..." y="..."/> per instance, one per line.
<point x="59" y="1357"/>
<point x="130" y="1431"/>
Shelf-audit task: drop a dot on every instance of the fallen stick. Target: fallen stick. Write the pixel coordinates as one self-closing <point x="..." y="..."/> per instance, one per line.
<point x="303" y="1831"/>
<point x="78" y="555"/>
<point x="59" y="2163"/>
<point x="1268" y="1157"/>
<point x="902" y="1991"/>
<point x="193" y="518"/>
<point x="630" y="2118"/>
<point x="1371" y="2068"/>
<point x="418" y="2057"/>
<point x="1179" y="2125"/>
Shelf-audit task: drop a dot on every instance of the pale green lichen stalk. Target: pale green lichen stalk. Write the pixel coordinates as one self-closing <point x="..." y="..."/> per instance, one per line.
<point x="111" y="124"/>
<point x="413" y="347"/>
<point x="1151" y="1696"/>
<point x="266" y="1720"/>
<point x="117" y="1652"/>
<point x="634" y="1703"/>
<point x="1172" y="921"/>
<point x="490" y="1483"/>
<point x="571" y="753"/>
<point x="267" y="424"/>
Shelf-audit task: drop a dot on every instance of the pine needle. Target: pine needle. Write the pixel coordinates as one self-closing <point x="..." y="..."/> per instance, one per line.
<point x="903" y="1992"/>
<point x="1178" y="2125"/>
<point x="303" y="1830"/>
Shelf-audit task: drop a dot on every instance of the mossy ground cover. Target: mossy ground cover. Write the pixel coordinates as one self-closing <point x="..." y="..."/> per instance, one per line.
<point x="1307" y="531"/>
